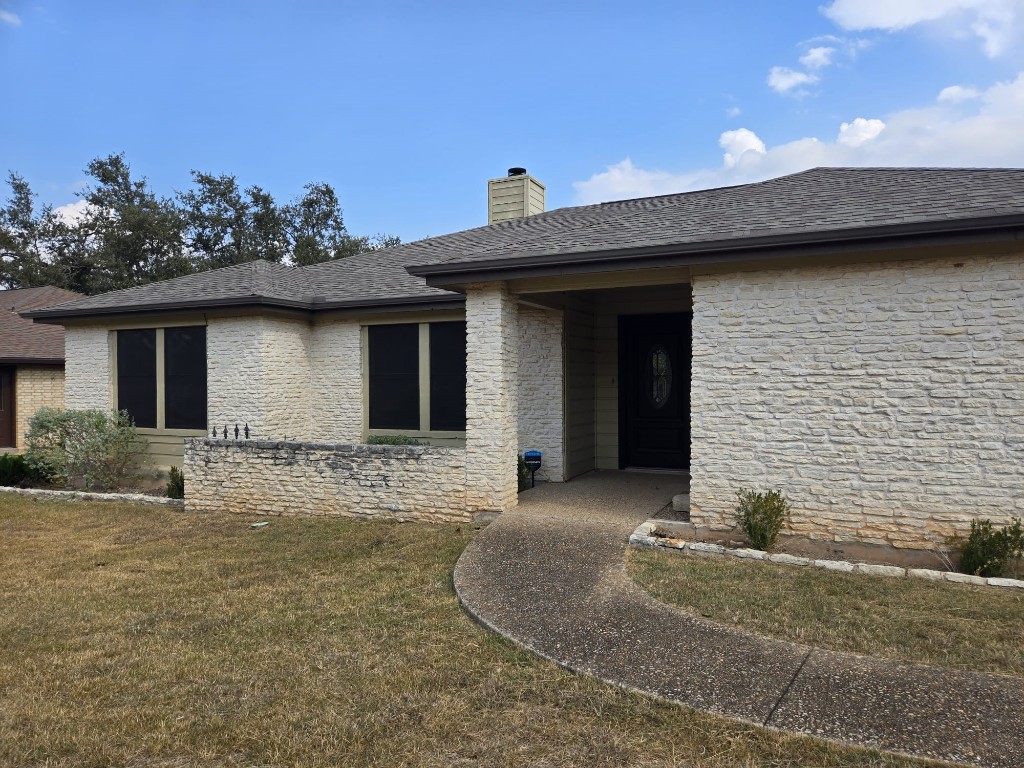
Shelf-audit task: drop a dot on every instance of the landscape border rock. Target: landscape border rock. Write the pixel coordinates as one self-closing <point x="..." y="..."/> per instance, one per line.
<point x="643" y="536"/>
<point x="134" y="498"/>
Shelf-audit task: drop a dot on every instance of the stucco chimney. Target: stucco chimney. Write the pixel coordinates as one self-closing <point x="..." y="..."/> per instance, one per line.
<point x="514" y="196"/>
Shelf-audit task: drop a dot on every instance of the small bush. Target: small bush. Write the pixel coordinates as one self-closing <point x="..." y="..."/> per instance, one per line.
<point x="392" y="440"/>
<point x="761" y="516"/>
<point x="12" y="468"/>
<point x="987" y="551"/>
<point x="90" y="449"/>
<point x="175" y="484"/>
<point x="522" y="473"/>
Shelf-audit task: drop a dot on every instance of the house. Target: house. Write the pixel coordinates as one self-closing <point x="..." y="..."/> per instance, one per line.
<point x="31" y="361"/>
<point x="854" y="337"/>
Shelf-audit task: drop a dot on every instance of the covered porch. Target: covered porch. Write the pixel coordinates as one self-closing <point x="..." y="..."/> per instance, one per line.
<point x="594" y="371"/>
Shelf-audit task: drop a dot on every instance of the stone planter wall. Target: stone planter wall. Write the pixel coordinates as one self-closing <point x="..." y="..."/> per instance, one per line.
<point x="298" y="478"/>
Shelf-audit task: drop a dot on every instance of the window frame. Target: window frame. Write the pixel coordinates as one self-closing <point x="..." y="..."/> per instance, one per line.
<point x="434" y="436"/>
<point x="160" y="428"/>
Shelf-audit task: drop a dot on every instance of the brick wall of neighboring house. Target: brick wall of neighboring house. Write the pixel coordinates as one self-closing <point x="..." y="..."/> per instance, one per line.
<point x="290" y="478"/>
<point x="258" y="373"/>
<point x="337" y="380"/>
<point x="541" y="384"/>
<point x="885" y="400"/>
<point x="35" y="387"/>
<point x="87" y="382"/>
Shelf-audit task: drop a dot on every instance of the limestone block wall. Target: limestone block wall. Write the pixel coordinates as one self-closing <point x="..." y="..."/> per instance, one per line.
<point x="293" y="478"/>
<point x="337" y="382"/>
<point x="35" y="387"/>
<point x="87" y="368"/>
<point x="541" y="381"/>
<point x="258" y="372"/>
<point x="491" y="388"/>
<point x="885" y="400"/>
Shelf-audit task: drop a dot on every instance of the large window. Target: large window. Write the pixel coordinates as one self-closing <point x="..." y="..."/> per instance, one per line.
<point x="161" y="377"/>
<point x="416" y="377"/>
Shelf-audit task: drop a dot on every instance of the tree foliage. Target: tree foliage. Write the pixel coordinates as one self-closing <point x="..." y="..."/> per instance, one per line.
<point x="122" y="234"/>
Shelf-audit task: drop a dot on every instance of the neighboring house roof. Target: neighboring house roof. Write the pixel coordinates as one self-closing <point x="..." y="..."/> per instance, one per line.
<point x="869" y="206"/>
<point x="21" y="341"/>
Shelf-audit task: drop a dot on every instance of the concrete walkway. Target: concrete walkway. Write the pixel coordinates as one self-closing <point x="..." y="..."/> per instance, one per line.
<point x="551" y="576"/>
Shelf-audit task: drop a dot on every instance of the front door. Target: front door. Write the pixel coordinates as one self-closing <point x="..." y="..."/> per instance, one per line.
<point x="6" y="407"/>
<point x="654" y="391"/>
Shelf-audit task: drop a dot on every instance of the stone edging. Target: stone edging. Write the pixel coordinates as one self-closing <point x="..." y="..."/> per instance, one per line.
<point x="641" y="537"/>
<point x="135" y="498"/>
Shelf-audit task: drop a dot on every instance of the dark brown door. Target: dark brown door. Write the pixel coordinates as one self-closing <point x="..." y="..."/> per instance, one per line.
<point x="654" y="392"/>
<point x="6" y="407"/>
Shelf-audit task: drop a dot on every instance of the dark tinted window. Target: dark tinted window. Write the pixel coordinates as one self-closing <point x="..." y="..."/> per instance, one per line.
<point x="185" y="378"/>
<point x="448" y="376"/>
<point x="394" y="376"/>
<point x="136" y="375"/>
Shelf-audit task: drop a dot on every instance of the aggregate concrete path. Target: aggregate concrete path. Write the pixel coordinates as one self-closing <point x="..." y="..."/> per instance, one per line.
<point x="551" y="576"/>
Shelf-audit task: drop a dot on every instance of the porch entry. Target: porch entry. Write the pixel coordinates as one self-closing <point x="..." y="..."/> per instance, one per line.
<point x="6" y="407"/>
<point x="654" y="390"/>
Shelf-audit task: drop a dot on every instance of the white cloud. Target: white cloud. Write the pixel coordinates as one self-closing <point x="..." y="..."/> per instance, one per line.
<point x="7" y="17"/>
<point x="785" y="80"/>
<point x="999" y="23"/>
<point x="987" y="131"/>
<point x="859" y="131"/>
<point x="72" y="212"/>
<point x="737" y="144"/>
<point x="818" y="57"/>
<point x="958" y="93"/>
<point x="733" y="112"/>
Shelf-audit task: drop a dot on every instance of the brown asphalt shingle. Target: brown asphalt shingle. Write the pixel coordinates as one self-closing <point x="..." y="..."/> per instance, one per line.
<point x="22" y="340"/>
<point x="839" y="201"/>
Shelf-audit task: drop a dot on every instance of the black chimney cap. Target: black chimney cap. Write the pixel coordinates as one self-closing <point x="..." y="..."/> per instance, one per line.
<point x="516" y="171"/>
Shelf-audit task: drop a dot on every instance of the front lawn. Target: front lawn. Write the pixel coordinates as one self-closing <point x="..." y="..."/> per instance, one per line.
<point x="143" y="637"/>
<point x="952" y="625"/>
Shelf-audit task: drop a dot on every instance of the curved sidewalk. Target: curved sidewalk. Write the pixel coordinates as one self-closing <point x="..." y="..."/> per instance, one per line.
<point x="552" y="577"/>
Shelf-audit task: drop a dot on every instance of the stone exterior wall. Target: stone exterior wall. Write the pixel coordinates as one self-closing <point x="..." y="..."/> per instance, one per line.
<point x="258" y="373"/>
<point x="337" y="381"/>
<point x="885" y="400"/>
<point x="541" y="381"/>
<point x="35" y="387"/>
<point x="491" y="396"/>
<point x="291" y="478"/>
<point x="87" y="374"/>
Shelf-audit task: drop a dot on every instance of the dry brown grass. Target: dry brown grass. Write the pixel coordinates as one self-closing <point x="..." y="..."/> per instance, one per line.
<point x="951" y="625"/>
<point x="134" y="636"/>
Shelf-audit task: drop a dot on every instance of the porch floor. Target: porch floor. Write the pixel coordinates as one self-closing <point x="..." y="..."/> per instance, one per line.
<point x="629" y="497"/>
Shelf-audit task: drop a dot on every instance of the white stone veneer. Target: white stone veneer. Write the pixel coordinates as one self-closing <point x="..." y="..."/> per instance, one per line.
<point x="541" y="382"/>
<point x="258" y="373"/>
<point x="337" y="380"/>
<point x="87" y="374"/>
<point x="491" y="382"/>
<point x="885" y="400"/>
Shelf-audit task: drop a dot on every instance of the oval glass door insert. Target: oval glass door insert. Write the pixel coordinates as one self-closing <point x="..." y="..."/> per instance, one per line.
<point x="659" y="376"/>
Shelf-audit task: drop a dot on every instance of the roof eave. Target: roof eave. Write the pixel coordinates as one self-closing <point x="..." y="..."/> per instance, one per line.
<point x="31" y="360"/>
<point x="733" y="251"/>
<point x="57" y="317"/>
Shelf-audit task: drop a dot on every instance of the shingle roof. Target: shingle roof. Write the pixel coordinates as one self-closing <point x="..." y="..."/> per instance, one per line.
<point x="823" y="201"/>
<point x="20" y="339"/>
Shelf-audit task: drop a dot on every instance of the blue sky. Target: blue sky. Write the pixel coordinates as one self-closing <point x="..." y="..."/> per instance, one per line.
<point x="407" y="108"/>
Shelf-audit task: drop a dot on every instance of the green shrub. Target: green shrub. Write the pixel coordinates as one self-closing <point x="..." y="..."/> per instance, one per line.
<point x="522" y="473"/>
<point x="12" y="468"/>
<point x="761" y="516"/>
<point x="175" y="484"/>
<point x="91" y="449"/>
<point x="987" y="551"/>
<point x="392" y="440"/>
